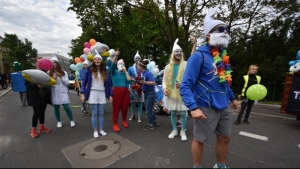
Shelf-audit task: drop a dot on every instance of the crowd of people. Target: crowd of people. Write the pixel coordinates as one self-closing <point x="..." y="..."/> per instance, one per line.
<point x="201" y="85"/>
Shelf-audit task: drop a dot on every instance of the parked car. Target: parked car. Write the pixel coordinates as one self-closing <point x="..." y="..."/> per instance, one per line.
<point x="71" y="81"/>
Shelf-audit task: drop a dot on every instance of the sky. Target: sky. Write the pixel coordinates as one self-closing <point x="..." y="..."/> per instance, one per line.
<point x="45" y="23"/>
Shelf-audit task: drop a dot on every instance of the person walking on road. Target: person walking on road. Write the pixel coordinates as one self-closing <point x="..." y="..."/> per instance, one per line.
<point x="121" y="81"/>
<point x="205" y="90"/>
<point x="82" y="73"/>
<point x="248" y="80"/>
<point x="148" y="86"/>
<point x="59" y="92"/>
<point x="97" y="89"/>
<point x="38" y="97"/>
<point x="171" y="83"/>
<point x="135" y="101"/>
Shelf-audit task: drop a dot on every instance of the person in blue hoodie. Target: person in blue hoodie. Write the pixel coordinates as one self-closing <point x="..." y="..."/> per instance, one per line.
<point x="82" y="73"/>
<point x="205" y="90"/>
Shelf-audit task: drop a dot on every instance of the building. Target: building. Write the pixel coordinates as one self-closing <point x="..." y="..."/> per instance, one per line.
<point x="3" y="66"/>
<point x="63" y="61"/>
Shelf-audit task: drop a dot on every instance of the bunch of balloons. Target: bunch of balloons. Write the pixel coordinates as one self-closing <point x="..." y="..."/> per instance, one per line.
<point x="295" y="65"/>
<point x="153" y="68"/>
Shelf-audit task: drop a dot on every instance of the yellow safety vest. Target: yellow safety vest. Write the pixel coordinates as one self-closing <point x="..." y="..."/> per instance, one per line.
<point x="246" y="78"/>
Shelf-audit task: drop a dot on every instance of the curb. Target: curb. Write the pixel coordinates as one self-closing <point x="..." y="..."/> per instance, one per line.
<point x="5" y="91"/>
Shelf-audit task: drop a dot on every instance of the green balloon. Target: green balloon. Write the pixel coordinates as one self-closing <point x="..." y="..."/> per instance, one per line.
<point x="256" y="92"/>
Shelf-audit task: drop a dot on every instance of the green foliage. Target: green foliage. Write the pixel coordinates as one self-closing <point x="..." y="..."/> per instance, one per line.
<point x="19" y="50"/>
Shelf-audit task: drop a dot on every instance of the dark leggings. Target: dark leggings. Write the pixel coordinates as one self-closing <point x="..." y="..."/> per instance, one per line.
<point x="38" y="114"/>
<point x="245" y="104"/>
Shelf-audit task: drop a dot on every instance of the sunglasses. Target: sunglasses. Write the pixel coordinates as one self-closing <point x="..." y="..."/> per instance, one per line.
<point x="220" y="29"/>
<point x="176" y="52"/>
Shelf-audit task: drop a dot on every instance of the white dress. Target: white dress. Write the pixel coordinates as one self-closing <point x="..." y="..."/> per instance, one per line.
<point x="172" y="104"/>
<point x="59" y="91"/>
<point x="97" y="93"/>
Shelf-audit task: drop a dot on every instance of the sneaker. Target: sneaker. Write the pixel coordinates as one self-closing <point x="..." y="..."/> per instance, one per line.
<point x="156" y="123"/>
<point x="216" y="166"/>
<point x="96" y="135"/>
<point x="183" y="136"/>
<point x="139" y="119"/>
<point x="246" y="121"/>
<point x="116" y="128"/>
<point x="148" y="127"/>
<point x="173" y="134"/>
<point x="33" y="133"/>
<point x="132" y="117"/>
<point x="85" y="113"/>
<point x="237" y="122"/>
<point x="178" y="124"/>
<point x="72" y="123"/>
<point x="59" y="124"/>
<point x="44" y="130"/>
<point x="103" y="133"/>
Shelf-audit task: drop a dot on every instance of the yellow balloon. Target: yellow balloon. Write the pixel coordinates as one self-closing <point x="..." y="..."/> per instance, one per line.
<point x="90" y="57"/>
<point x="105" y="53"/>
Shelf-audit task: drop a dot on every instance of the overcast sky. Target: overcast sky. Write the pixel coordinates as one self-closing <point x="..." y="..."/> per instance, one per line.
<point x="46" y="23"/>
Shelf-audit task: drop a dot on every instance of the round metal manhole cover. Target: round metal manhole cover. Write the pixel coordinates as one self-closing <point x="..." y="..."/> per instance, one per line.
<point x="100" y="149"/>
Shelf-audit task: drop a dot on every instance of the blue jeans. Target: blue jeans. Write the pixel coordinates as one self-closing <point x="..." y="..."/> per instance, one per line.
<point x="149" y="99"/>
<point x="97" y="109"/>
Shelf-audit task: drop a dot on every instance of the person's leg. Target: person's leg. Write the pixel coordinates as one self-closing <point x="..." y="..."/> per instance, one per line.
<point x="116" y="105"/>
<point x="132" y="108"/>
<point x="34" y="122"/>
<point x="101" y="119"/>
<point x="43" y="129"/>
<point x="24" y="98"/>
<point x="124" y="108"/>
<point x="94" y="108"/>
<point x="140" y="108"/>
<point x="197" y="153"/>
<point x="243" y="107"/>
<point x="57" y="112"/>
<point x="183" y="115"/>
<point x="222" y="147"/>
<point x="149" y="101"/>
<point x="174" y="132"/>
<point x="248" y="111"/>
<point x="68" y="111"/>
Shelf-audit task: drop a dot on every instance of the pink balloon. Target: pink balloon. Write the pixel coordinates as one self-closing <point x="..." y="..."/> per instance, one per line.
<point x="86" y="51"/>
<point x="87" y="45"/>
<point x="45" y="64"/>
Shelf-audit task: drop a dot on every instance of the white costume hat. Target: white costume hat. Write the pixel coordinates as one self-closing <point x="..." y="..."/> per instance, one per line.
<point x="210" y="23"/>
<point x="97" y="55"/>
<point x="54" y="57"/>
<point x="85" y="62"/>
<point x="176" y="46"/>
<point x="137" y="56"/>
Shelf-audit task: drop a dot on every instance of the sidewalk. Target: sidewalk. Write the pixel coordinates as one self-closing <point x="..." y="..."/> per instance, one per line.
<point x="4" y="91"/>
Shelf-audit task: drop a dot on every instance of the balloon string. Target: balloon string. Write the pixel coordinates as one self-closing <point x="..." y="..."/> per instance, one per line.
<point x="245" y="100"/>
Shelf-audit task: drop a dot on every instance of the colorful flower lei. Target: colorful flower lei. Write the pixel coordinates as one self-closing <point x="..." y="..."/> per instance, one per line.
<point x="223" y="65"/>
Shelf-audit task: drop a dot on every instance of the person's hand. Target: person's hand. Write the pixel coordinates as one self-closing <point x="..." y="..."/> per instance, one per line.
<point x="178" y="85"/>
<point x="124" y="69"/>
<point x="240" y="96"/>
<point x="110" y="99"/>
<point x="193" y="39"/>
<point x="82" y="98"/>
<point x="117" y="55"/>
<point x="166" y="92"/>
<point x="198" y="114"/>
<point x="236" y="105"/>
<point x="142" y="81"/>
<point x="40" y="86"/>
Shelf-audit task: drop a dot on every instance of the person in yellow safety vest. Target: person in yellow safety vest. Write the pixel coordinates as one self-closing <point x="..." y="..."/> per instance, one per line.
<point x="250" y="79"/>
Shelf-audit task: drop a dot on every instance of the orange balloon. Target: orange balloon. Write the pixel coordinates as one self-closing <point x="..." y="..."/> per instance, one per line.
<point x="92" y="42"/>
<point x="77" y="60"/>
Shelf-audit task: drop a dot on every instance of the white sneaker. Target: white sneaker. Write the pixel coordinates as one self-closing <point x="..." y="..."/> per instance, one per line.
<point x="139" y="119"/>
<point x="132" y="117"/>
<point x="59" y="124"/>
<point x="96" y="135"/>
<point x="103" y="133"/>
<point x="216" y="166"/>
<point x="173" y="134"/>
<point x="72" y="123"/>
<point x="183" y="136"/>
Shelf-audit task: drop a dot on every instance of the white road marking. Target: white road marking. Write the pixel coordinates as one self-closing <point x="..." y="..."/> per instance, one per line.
<point x="299" y="145"/>
<point x="254" y="136"/>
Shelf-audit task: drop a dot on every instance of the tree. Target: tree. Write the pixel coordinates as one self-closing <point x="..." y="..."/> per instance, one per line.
<point x="19" y="50"/>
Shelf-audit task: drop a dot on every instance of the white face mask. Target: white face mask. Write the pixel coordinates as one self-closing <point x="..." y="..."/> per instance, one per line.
<point x="220" y="40"/>
<point x="120" y="66"/>
<point x="54" y="65"/>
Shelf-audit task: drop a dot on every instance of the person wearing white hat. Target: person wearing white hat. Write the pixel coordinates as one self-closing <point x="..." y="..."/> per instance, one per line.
<point x="172" y="78"/>
<point x="97" y="90"/>
<point x="136" y="97"/>
<point x="59" y="92"/>
<point x="121" y="80"/>
<point x="82" y="73"/>
<point x="205" y="90"/>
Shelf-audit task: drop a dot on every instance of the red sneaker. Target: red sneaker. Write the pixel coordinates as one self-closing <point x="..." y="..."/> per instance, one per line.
<point x="34" y="134"/>
<point x="124" y="123"/>
<point x="44" y="130"/>
<point x="116" y="128"/>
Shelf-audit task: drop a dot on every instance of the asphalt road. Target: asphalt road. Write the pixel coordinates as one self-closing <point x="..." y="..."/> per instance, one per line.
<point x="267" y="142"/>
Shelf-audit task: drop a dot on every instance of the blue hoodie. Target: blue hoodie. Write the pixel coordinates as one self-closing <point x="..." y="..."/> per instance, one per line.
<point x="200" y="87"/>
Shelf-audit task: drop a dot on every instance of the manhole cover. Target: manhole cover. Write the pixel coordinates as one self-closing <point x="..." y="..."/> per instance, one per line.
<point x="100" y="149"/>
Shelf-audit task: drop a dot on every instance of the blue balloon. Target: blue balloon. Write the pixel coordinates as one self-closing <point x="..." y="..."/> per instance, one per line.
<point x="298" y="55"/>
<point x="79" y="65"/>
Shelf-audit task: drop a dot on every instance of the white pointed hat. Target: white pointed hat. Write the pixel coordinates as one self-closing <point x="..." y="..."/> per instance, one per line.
<point x="210" y="23"/>
<point x="176" y="46"/>
<point x="85" y="62"/>
<point x="137" y="56"/>
<point x="97" y="55"/>
<point x="54" y="57"/>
